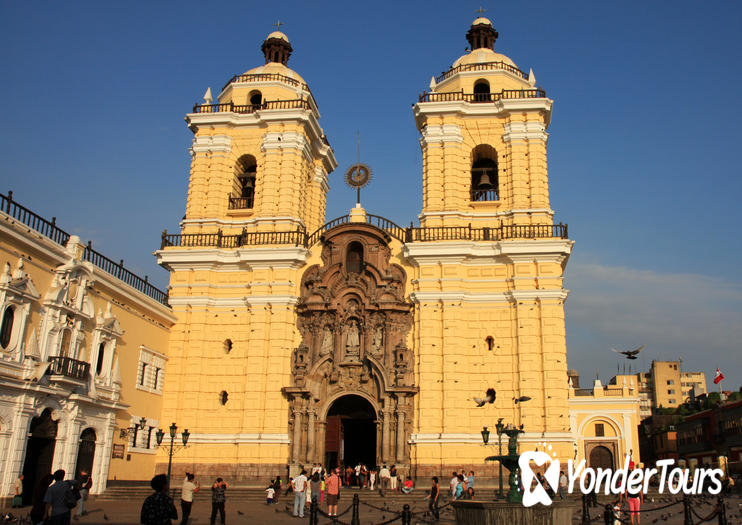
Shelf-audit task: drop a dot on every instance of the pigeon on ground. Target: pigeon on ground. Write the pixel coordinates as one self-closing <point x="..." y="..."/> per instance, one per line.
<point x="490" y="396"/>
<point x="240" y="513"/>
<point x="105" y="517"/>
<point x="630" y="354"/>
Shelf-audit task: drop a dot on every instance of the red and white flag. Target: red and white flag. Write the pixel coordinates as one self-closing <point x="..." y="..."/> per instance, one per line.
<point x="719" y="377"/>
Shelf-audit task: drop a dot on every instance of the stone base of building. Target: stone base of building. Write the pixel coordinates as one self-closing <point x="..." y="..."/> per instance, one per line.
<point x="232" y="473"/>
<point x="501" y="513"/>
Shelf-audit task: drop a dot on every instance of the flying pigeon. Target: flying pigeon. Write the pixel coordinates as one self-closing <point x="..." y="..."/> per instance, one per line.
<point x="489" y="398"/>
<point x="630" y="354"/>
<point x="521" y="399"/>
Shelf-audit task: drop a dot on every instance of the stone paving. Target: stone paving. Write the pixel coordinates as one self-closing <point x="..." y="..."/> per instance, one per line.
<point x="126" y="512"/>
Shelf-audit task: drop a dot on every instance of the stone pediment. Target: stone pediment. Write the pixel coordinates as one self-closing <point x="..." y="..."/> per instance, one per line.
<point x="19" y="282"/>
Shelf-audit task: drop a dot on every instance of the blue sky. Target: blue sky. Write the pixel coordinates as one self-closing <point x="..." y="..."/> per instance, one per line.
<point x="643" y="148"/>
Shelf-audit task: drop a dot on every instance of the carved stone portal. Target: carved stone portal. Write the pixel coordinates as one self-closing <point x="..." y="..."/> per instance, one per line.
<point x="353" y="317"/>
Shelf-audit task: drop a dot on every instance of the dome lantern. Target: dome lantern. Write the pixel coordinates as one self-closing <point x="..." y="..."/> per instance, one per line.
<point x="481" y="34"/>
<point x="276" y="47"/>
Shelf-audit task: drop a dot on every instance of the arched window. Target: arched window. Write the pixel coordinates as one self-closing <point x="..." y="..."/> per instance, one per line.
<point x="481" y="91"/>
<point x="256" y="98"/>
<point x="101" y="353"/>
<point x="6" y="329"/>
<point x="354" y="259"/>
<point x="245" y="171"/>
<point x="484" y="179"/>
<point x="64" y="348"/>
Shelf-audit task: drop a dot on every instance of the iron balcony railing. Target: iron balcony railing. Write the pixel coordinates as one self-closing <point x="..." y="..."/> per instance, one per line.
<point x="240" y="203"/>
<point x="68" y="367"/>
<point x="266" y="77"/>
<point x="50" y="230"/>
<point x="410" y="234"/>
<point x="484" y="195"/>
<point x="506" y="94"/>
<point x="486" y="66"/>
<point x="230" y="107"/>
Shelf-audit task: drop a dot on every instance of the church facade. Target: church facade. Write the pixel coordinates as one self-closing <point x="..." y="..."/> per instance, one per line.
<point x="301" y="342"/>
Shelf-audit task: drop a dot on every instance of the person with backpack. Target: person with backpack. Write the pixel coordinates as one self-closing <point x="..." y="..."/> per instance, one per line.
<point x="60" y="499"/>
<point x="85" y="482"/>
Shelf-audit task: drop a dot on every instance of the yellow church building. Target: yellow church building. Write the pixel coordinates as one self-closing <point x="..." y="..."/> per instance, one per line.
<point x="285" y="340"/>
<point x="302" y="342"/>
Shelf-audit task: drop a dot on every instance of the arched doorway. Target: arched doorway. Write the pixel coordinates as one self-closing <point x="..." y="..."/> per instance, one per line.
<point x="39" y="452"/>
<point x="85" y="453"/>
<point x="601" y="457"/>
<point x="350" y="437"/>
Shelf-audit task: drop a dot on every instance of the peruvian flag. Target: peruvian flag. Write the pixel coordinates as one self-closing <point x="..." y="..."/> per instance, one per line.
<point x="719" y="377"/>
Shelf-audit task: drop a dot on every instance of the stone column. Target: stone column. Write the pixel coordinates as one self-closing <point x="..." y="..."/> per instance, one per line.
<point x="310" y="436"/>
<point x="400" y="436"/>
<point x="321" y="437"/>
<point x="386" y="449"/>
<point x="296" y="440"/>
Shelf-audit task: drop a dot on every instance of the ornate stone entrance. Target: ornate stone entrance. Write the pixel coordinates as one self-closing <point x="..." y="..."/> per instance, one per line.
<point x="354" y="318"/>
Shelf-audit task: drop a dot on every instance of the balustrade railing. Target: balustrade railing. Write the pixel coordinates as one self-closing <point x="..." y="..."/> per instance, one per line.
<point x="411" y="234"/>
<point x="229" y="107"/>
<point x="507" y="94"/>
<point x="241" y="203"/>
<point x="484" y="195"/>
<point x="68" y="367"/>
<point x="50" y="230"/>
<point x="485" y="66"/>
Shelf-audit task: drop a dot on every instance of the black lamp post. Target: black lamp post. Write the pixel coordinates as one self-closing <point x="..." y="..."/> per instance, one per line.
<point x="500" y="428"/>
<point x="173" y="431"/>
<point x="485" y="435"/>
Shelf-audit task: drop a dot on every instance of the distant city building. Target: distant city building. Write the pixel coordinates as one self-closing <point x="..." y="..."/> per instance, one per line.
<point x="705" y="436"/>
<point x="665" y="385"/>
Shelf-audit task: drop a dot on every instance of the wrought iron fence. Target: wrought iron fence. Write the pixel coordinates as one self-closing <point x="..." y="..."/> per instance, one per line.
<point x="265" y="77"/>
<point x="485" y="66"/>
<point x="230" y="107"/>
<point x="506" y="94"/>
<point x="68" y="367"/>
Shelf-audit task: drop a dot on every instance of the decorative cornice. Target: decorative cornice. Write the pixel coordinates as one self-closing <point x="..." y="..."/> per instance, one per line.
<point x="498" y="108"/>
<point x="522" y="131"/>
<point x="476" y="439"/>
<point x="211" y="144"/>
<point x="510" y="297"/>
<point x="463" y="252"/>
<point x="248" y="257"/>
<point x="229" y="439"/>
<point x="440" y="134"/>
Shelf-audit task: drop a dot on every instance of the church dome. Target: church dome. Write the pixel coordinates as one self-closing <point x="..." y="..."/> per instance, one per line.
<point x="278" y="34"/>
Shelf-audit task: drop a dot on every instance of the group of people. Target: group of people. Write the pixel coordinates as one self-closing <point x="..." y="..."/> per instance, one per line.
<point x="54" y="498"/>
<point x="159" y="508"/>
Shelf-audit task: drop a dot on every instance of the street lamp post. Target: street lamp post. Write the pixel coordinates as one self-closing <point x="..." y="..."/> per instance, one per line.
<point x="500" y="428"/>
<point x="173" y="431"/>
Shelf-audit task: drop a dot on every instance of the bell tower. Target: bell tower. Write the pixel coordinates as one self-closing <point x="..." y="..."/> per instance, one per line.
<point x="260" y="159"/>
<point x="483" y="138"/>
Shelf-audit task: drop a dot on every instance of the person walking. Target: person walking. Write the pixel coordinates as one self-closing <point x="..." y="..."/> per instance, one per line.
<point x="18" y="492"/>
<point x="453" y="484"/>
<point x="85" y="482"/>
<point x="435" y="491"/>
<point x="158" y="509"/>
<point x="56" y="499"/>
<point x="315" y="486"/>
<point x="371" y="478"/>
<point x="393" y="477"/>
<point x="218" y="499"/>
<point x="187" y="491"/>
<point x="299" y="484"/>
<point x="562" y="485"/>
<point x="384" y="479"/>
<point x="333" y="492"/>
<point x="470" y="485"/>
<point x="635" y="501"/>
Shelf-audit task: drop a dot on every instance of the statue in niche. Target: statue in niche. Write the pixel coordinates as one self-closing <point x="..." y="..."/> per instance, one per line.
<point x="328" y="343"/>
<point x="378" y="341"/>
<point x="352" y="341"/>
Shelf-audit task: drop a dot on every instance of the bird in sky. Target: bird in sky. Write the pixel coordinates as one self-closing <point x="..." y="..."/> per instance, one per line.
<point x="630" y="354"/>
<point x="489" y="397"/>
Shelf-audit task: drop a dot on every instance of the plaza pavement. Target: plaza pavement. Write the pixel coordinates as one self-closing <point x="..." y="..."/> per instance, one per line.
<point x="253" y="511"/>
